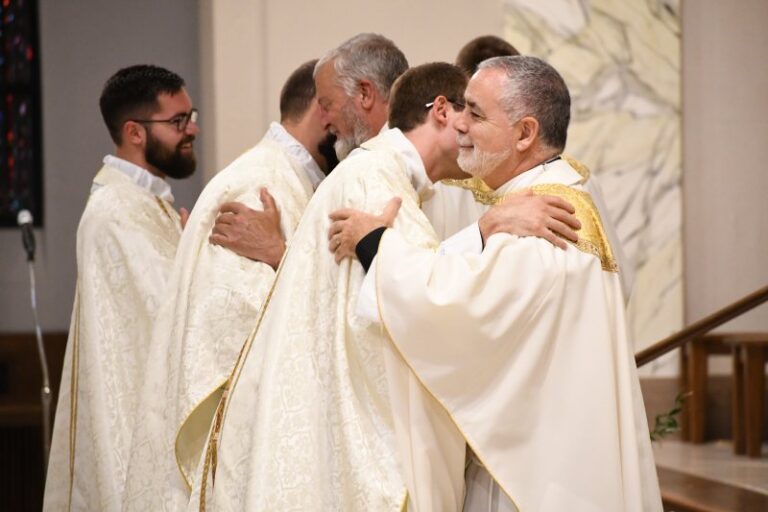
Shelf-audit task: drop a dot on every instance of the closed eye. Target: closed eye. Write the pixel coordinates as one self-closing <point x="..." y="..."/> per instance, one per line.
<point x="476" y="116"/>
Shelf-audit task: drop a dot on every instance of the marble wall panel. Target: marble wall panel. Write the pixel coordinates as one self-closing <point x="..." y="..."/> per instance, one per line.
<point x="621" y="61"/>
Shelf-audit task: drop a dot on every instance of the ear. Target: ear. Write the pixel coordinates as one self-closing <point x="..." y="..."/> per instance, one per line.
<point x="439" y="111"/>
<point x="367" y="94"/>
<point x="529" y="133"/>
<point x="134" y="133"/>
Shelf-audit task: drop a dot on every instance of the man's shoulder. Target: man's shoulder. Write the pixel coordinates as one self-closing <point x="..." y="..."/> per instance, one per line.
<point x="592" y="236"/>
<point x="119" y="206"/>
<point x="264" y="156"/>
<point x="110" y="198"/>
<point x="368" y="165"/>
<point x="262" y="165"/>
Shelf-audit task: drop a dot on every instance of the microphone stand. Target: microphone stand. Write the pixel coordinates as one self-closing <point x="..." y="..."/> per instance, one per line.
<point x="45" y="391"/>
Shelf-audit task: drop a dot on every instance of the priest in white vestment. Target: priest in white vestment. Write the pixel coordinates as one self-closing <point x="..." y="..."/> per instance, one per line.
<point x="213" y="297"/>
<point x="525" y="346"/>
<point x="126" y="242"/>
<point x="308" y="424"/>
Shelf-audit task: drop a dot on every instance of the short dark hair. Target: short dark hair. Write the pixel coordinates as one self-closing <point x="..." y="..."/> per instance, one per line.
<point x="480" y="49"/>
<point x="132" y="93"/>
<point x="298" y="92"/>
<point x="534" y="88"/>
<point x="421" y="85"/>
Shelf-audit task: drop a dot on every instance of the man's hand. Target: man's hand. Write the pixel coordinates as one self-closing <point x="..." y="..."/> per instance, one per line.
<point x="350" y="226"/>
<point x="251" y="233"/>
<point x="527" y="214"/>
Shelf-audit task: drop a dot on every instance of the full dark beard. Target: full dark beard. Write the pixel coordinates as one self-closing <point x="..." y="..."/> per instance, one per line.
<point x="171" y="162"/>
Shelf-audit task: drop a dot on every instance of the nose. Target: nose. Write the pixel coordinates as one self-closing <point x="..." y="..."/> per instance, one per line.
<point x="192" y="128"/>
<point x="460" y="122"/>
<point x="325" y="119"/>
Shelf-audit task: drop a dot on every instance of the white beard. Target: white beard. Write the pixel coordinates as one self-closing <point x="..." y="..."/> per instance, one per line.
<point x="360" y="133"/>
<point x="480" y="163"/>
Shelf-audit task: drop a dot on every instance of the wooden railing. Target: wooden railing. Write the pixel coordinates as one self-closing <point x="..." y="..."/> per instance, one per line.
<point x="702" y="326"/>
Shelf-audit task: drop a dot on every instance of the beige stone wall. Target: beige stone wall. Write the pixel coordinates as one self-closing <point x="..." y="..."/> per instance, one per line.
<point x="725" y="150"/>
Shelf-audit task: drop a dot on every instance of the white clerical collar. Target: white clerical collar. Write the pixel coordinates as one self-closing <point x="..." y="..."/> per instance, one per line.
<point x="297" y="151"/>
<point x="139" y="176"/>
<point x="417" y="173"/>
<point x="529" y="177"/>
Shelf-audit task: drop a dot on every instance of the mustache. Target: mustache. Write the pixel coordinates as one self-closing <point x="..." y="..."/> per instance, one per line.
<point x="463" y="140"/>
<point x="187" y="138"/>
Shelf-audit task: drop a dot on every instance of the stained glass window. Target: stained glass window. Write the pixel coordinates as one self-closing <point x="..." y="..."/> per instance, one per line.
<point x="20" y="141"/>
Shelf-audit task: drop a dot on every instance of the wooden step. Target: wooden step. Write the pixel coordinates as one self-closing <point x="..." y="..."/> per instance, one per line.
<point x="682" y="492"/>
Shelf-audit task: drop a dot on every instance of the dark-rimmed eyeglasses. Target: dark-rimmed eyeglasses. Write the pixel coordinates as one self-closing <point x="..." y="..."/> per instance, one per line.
<point x="459" y="104"/>
<point x="181" y="121"/>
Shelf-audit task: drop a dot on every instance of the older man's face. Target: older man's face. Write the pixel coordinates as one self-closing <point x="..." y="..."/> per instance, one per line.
<point x="485" y="132"/>
<point x="339" y="113"/>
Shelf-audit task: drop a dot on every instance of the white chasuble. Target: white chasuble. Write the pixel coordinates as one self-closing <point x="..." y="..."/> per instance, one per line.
<point x="308" y="423"/>
<point x="525" y="346"/>
<point x="126" y="241"/>
<point x="212" y="301"/>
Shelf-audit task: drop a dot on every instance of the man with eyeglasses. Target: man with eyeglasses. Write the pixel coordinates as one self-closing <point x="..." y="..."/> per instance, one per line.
<point x="214" y="296"/>
<point x="126" y="242"/>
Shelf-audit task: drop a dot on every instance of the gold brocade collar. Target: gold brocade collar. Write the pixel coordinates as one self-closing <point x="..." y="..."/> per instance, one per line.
<point x="592" y="236"/>
<point x="486" y="195"/>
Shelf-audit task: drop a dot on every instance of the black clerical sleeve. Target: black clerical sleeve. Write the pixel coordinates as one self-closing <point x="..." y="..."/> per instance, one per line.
<point x="367" y="248"/>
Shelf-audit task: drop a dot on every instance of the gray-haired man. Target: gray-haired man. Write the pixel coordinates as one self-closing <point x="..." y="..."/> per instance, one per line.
<point x="523" y="344"/>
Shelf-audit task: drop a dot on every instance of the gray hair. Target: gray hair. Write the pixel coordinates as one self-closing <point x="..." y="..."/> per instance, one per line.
<point x="534" y="88"/>
<point x="369" y="57"/>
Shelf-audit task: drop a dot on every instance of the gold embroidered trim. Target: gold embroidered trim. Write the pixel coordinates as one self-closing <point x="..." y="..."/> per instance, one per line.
<point x="577" y="166"/>
<point x="73" y="396"/>
<point x="164" y="206"/>
<point x="592" y="237"/>
<point x="489" y="197"/>
<point x="482" y="192"/>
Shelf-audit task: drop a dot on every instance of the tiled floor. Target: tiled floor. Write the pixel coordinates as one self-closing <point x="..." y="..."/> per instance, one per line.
<point x="715" y="461"/>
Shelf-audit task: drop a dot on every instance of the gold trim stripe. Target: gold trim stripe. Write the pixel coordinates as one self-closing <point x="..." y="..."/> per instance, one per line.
<point x="188" y="478"/>
<point x="73" y="396"/>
